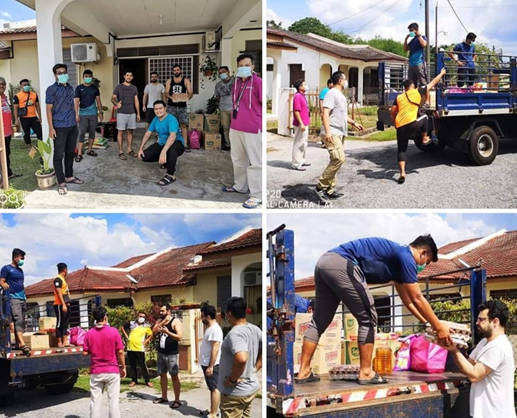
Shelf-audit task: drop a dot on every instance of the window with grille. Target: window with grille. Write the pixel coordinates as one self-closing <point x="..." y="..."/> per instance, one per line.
<point x="224" y="291"/>
<point x="161" y="299"/>
<point x="164" y="66"/>
<point x="509" y="294"/>
<point x="72" y="68"/>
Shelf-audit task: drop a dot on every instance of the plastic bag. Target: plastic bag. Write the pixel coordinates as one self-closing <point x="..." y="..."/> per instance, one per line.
<point x="403" y="358"/>
<point x="427" y="357"/>
<point x="77" y="335"/>
<point x="194" y="139"/>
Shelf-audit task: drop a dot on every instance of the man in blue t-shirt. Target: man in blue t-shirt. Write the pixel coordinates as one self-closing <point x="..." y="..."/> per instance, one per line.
<point x="343" y="275"/>
<point x="170" y="143"/>
<point x="12" y="280"/>
<point x="323" y="93"/>
<point x="416" y="43"/>
<point x="464" y="57"/>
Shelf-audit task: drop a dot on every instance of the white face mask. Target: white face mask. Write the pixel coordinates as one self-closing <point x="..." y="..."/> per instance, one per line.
<point x="345" y="85"/>
<point x="141" y="320"/>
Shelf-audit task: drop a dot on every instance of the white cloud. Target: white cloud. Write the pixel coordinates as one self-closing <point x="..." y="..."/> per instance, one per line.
<point x="5" y="14"/>
<point x="221" y="221"/>
<point x="271" y="15"/>
<point x="317" y="233"/>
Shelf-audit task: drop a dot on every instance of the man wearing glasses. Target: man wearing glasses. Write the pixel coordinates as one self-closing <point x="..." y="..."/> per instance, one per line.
<point x="490" y="367"/>
<point x="62" y="126"/>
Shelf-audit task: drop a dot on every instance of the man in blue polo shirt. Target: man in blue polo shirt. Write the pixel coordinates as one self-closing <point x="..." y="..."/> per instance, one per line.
<point x="464" y="57"/>
<point x="62" y="126"/>
<point x="170" y="143"/>
<point x="343" y="275"/>
<point x="12" y="280"/>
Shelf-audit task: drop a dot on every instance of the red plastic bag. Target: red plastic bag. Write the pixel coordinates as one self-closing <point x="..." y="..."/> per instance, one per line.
<point x="427" y="357"/>
<point x="77" y="336"/>
<point x="194" y="139"/>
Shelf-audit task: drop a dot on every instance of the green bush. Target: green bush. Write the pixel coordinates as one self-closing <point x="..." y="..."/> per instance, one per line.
<point x="11" y="198"/>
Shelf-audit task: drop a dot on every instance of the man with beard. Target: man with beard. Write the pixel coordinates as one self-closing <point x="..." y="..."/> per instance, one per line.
<point x="178" y="91"/>
<point x="153" y="92"/>
<point x="210" y="354"/>
<point x="169" y="331"/>
<point x="491" y="365"/>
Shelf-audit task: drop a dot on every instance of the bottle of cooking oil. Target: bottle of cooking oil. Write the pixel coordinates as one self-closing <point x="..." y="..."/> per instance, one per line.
<point x="383" y="358"/>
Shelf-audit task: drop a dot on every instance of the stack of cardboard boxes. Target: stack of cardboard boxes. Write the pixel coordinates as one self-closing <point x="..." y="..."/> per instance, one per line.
<point x="210" y="126"/>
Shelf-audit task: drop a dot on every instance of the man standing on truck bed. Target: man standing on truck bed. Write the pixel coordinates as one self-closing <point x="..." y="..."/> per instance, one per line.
<point x="416" y="47"/>
<point x="62" y="305"/>
<point x="343" y="274"/>
<point x="12" y="279"/>
<point x="464" y="57"/>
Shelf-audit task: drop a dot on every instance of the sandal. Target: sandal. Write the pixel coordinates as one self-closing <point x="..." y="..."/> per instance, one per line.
<point x="252" y="203"/>
<point x="79" y="158"/>
<point x="122" y="156"/>
<point x="62" y="190"/>
<point x="25" y="350"/>
<point x="168" y="179"/>
<point x="375" y="380"/>
<point x="149" y="384"/>
<point x="75" y="180"/>
<point x="132" y="153"/>
<point x="91" y="153"/>
<point x="311" y="378"/>
<point x="160" y="400"/>
<point x="163" y="166"/>
<point x="177" y="403"/>
<point x="132" y="384"/>
<point x="401" y="180"/>
<point x="230" y="189"/>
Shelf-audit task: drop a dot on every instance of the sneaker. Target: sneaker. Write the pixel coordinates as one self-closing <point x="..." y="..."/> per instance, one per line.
<point x="335" y="196"/>
<point x="322" y="194"/>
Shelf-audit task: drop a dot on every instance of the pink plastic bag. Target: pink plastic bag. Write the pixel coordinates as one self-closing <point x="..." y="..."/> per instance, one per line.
<point x="427" y="357"/>
<point x="403" y="358"/>
<point x="194" y="139"/>
<point x="77" y="336"/>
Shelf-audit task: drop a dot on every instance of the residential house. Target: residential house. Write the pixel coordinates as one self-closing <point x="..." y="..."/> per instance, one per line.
<point x="144" y="35"/>
<point x="292" y="55"/>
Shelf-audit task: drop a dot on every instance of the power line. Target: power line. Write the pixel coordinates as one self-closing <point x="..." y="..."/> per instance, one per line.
<point x="358" y="13"/>
<point x="450" y="4"/>
<point x="375" y="18"/>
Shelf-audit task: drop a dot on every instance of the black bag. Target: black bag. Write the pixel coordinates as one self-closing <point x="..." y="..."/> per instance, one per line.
<point x="22" y="111"/>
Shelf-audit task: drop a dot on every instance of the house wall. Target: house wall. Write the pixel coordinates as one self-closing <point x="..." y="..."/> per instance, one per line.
<point x="206" y="286"/>
<point x="239" y="45"/>
<point x="239" y="264"/>
<point x="177" y="293"/>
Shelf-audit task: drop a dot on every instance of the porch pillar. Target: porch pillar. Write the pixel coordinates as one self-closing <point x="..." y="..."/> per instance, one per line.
<point x="277" y="85"/>
<point x="360" y="85"/>
<point x="227" y="54"/>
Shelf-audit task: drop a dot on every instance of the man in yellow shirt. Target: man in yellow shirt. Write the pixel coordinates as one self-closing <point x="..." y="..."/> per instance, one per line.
<point x="409" y="124"/>
<point x="139" y="336"/>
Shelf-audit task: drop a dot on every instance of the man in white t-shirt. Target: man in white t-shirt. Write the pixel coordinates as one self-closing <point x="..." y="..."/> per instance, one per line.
<point x="153" y="92"/>
<point x="210" y="355"/>
<point x="490" y="367"/>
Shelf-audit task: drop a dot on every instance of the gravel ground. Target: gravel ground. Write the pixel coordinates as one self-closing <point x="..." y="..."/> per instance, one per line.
<point x="133" y="404"/>
<point x="444" y="180"/>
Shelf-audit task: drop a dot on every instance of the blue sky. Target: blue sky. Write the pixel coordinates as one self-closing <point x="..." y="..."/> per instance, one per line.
<point x="315" y="234"/>
<point x="13" y="11"/>
<point x="107" y="239"/>
<point x="390" y="18"/>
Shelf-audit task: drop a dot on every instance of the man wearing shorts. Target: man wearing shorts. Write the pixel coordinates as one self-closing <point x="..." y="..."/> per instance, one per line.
<point x="169" y="332"/>
<point x="125" y="98"/>
<point x="415" y="43"/>
<point x="343" y="275"/>
<point x="153" y="92"/>
<point x="12" y="280"/>
<point x="178" y="91"/>
<point x="210" y="355"/>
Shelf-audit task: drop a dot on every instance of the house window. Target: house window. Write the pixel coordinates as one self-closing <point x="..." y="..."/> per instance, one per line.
<point x="255" y="47"/>
<point x="160" y="299"/>
<point x="224" y="291"/>
<point x="189" y="67"/>
<point x="295" y="73"/>
<point x="270" y="67"/>
<point x="112" y="303"/>
<point x="72" y="68"/>
<point x="507" y="294"/>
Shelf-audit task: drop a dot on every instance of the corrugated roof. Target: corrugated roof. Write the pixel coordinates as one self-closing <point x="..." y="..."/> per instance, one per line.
<point x="207" y="265"/>
<point x="249" y="239"/>
<point x="26" y="29"/>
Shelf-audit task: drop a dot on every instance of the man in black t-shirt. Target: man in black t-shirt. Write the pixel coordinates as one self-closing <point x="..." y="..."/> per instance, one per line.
<point x="169" y="332"/>
<point x="178" y="92"/>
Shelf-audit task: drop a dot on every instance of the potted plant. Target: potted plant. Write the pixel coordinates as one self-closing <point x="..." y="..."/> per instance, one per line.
<point x="209" y="69"/>
<point x="46" y="176"/>
<point x="11" y="198"/>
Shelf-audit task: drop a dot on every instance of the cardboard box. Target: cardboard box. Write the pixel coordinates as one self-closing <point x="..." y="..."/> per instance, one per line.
<point x="352" y="352"/>
<point x="351" y="327"/>
<point x="211" y="141"/>
<point x="325" y="357"/>
<point x="332" y="335"/>
<point x="36" y="341"/>
<point x="213" y="123"/>
<point x="196" y="121"/>
<point x="47" y="323"/>
<point x="52" y="339"/>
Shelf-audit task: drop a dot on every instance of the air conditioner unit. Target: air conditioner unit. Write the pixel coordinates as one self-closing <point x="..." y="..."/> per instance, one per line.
<point x="252" y="278"/>
<point x="84" y="52"/>
<point x="209" y="41"/>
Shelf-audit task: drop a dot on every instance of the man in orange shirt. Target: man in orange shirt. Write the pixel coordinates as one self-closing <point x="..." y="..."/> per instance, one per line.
<point x="27" y="112"/>
<point x="62" y="305"/>
<point x="409" y="124"/>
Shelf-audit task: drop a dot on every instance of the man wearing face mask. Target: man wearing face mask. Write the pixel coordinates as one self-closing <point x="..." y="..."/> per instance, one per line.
<point x="246" y="132"/>
<point x="153" y="92"/>
<point x="27" y="112"/>
<point x="464" y="57"/>
<point x="490" y="367"/>
<point x="223" y="92"/>
<point x="12" y="280"/>
<point x="139" y="336"/>
<point x="88" y="110"/>
<point x="416" y="43"/>
<point x="62" y="127"/>
<point x="343" y="275"/>
<point x="175" y="90"/>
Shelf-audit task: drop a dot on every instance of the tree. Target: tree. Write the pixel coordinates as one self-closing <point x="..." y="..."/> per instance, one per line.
<point x="311" y="25"/>
<point x="387" y="45"/>
<point x="273" y="25"/>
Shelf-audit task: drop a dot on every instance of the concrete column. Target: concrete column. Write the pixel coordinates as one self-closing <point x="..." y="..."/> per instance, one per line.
<point x="237" y="287"/>
<point x="227" y="54"/>
<point x="360" y="85"/>
<point x="277" y="85"/>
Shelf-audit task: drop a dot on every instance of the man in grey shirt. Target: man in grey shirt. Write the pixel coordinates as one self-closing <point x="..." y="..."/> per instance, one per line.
<point x="223" y="92"/>
<point x="241" y="358"/>
<point x="153" y="91"/>
<point x="334" y="130"/>
<point x="125" y="98"/>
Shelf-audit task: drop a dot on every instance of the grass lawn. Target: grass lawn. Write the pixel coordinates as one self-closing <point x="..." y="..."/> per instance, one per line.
<point x="21" y="163"/>
<point x="390" y="134"/>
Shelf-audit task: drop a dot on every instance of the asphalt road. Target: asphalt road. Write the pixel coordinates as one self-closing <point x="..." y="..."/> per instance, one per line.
<point x="444" y="180"/>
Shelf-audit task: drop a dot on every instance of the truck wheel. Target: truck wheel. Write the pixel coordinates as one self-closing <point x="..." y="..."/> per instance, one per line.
<point x="64" y="387"/>
<point x="483" y="145"/>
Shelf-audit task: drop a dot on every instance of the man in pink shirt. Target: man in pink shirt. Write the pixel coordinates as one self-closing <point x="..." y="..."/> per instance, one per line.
<point x="104" y="345"/>
<point x="301" y="124"/>
<point x="246" y="132"/>
<point x="7" y="122"/>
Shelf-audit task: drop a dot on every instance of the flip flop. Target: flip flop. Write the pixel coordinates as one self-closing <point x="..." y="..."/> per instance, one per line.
<point x="75" y="181"/>
<point x="62" y="190"/>
<point x="149" y="384"/>
<point x="230" y="189"/>
<point x="178" y="403"/>
<point x="252" y="203"/>
<point x="92" y="153"/>
<point x="160" y="400"/>
<point x="311" y="378"/>
<point x="375" y="380"/>
<point x="79" y="158"/>
<point x="401" y="180"/>
<point x="167" y="180"/>
<point x="132" y="384"/>
<point x="132" y="153"/>
<point x="122" y="156"/>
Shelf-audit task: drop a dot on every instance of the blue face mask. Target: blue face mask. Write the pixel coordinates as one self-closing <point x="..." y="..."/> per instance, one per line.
<point x="88" y="80"/>
<point x="62" y="78"/>
<point x="412" y="34"/>
<point x="420" y="267"/>
<point x="472" y="43"/>
<point x="21" y="263"/>
<point x="223" y="76"/>
<point x="26" y="89"/>
<point x="243" y="72"/>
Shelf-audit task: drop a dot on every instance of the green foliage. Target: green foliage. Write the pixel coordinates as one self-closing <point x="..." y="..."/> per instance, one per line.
<point x="387" y="45"/>
<point x="311" y="25"/>
<point x="11" y="198"/>
<point x="454" y="311"/>
<point x="44" y="150"/>
<point x="272" y="24"/>
<point x="212" y="106"/>
<point x="209" y="69"/>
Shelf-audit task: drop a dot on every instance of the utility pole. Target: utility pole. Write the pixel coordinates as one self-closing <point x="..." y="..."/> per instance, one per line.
<point x="436" y="29"/>
<point x="427" y="32"/>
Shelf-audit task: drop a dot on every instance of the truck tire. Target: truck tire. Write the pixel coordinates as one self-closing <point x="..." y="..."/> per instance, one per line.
<point x="483" y="145"/>
<point x="65" y="387"/>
